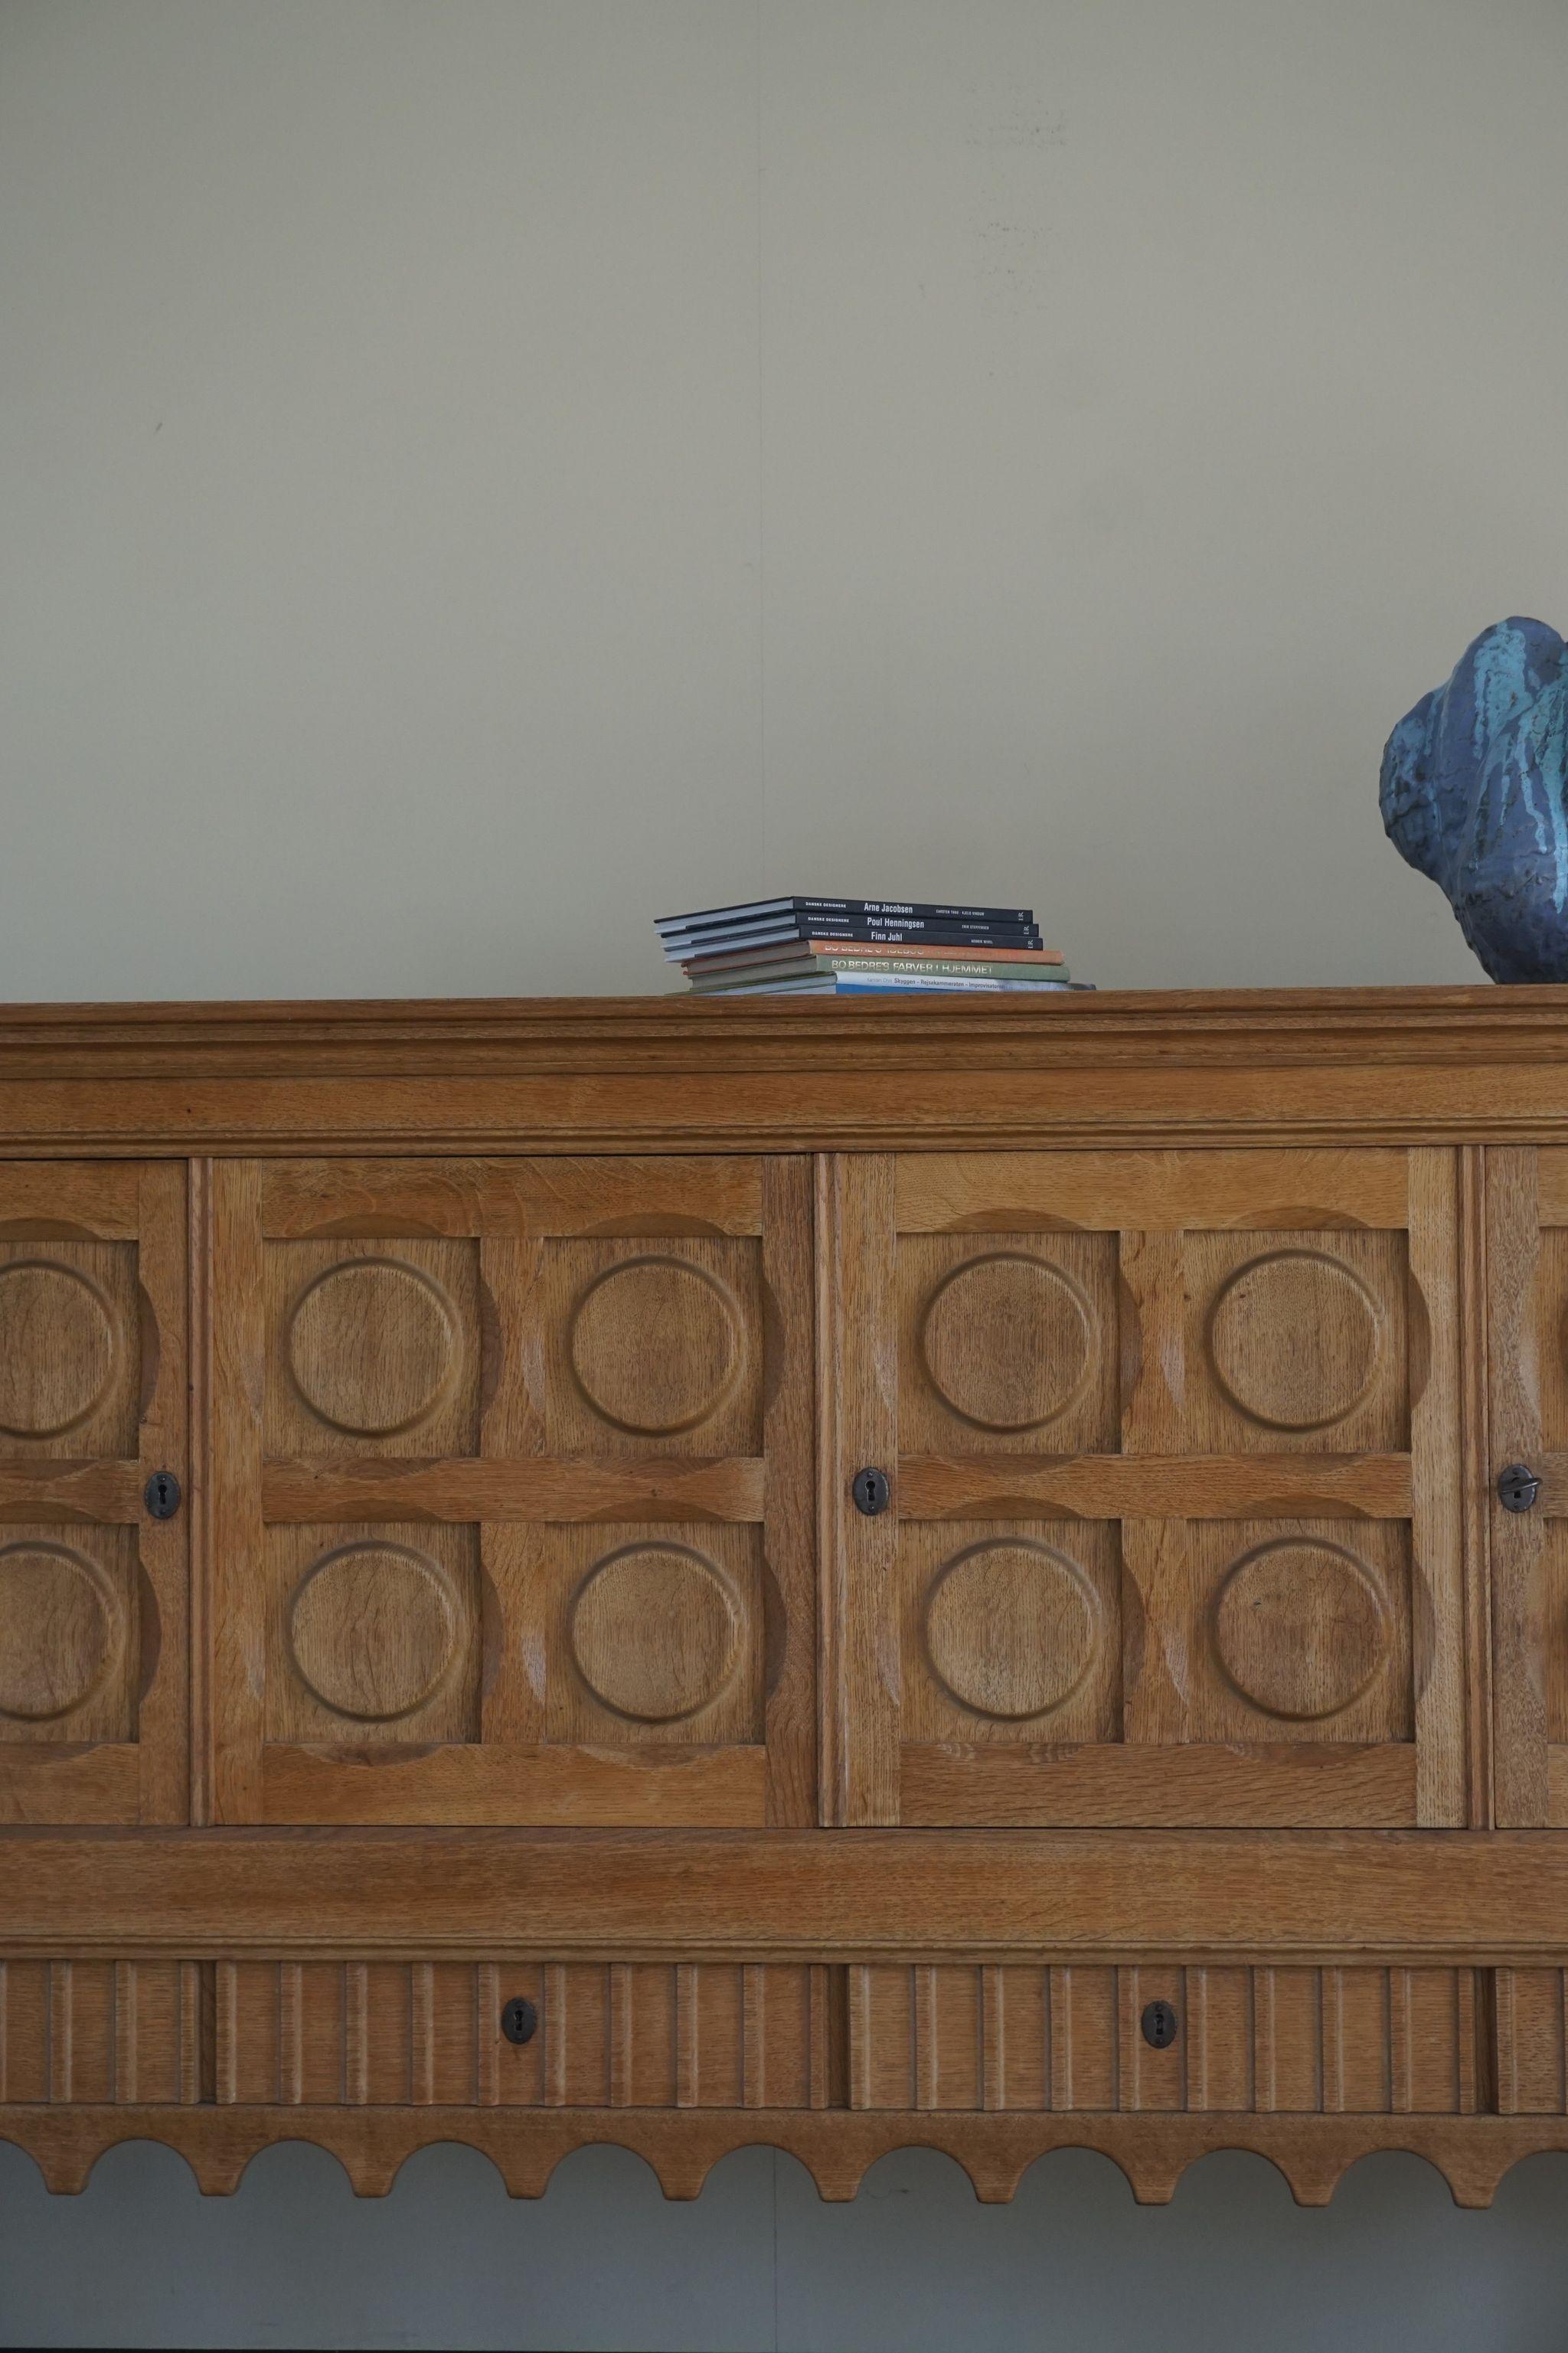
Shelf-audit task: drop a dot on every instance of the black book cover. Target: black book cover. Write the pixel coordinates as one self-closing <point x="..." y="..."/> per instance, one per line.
<point x="867" y="910"/>
<point x="943" y="932"/>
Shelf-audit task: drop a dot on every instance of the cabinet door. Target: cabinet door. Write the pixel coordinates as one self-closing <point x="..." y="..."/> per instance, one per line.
<point x="93" y="1633"/>
<point x="513" y="1492"/>
<point x="1176" y="1528"/>
<point x="1527" y="1358"/>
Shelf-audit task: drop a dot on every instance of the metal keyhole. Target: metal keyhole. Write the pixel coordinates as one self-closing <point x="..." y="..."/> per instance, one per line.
<point x="1518" y="1487"/>
<point x="871" y="1492"/>
<point x="161" y="1494"/>
<point x="519" y="2020"/>
<point x="1160" y="2024"/>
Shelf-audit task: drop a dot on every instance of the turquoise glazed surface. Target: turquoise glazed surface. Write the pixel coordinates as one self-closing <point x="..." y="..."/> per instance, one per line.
<point x="1475" y="794"/>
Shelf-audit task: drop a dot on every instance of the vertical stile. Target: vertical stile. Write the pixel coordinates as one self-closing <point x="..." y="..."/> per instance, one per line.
<point x="557" y="2025"/>
<point x="487" y="2031"/>
<point x="126" y="2038"/>
<point x="62" y="2031"/>
<point x="356" y="2033"/>
<point x="515" y="1616"/>
<point x="1474" y="1456"/>
<point x="622" y="2029"/>
<point x="861" y="2026"/>
<point x="163" y="1744"/>
<point x="290" y="2034"/>
<point x="1401" y="2053"/>
<point x="225" y="2010"/>
<point x="820" y="2027"/>
<point x="754" y="2036"/>
<point x="788" y="1524"/>
<point x="993" y="2037"/>
<point x="1513" y="1259"/>
<point x="198" y="1516"/>
<point x="1436" y="1467"/>
<point x="1467" y="2042"/>
<point x="926" y="2027"/>
<point x="238" y="1645"/>
<point x="197" y="2032"/>
<point x="688" y="2054"/>
<point x="857" y="1554"/>
<point x="422" y="2034"/>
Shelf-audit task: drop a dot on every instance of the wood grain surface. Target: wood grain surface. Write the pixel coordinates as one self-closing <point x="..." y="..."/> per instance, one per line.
<point x="514" y="1491"/>
<point x="94" y="1398"/>
<point x="518" y="1628"/>
<point x="643" y="1074"/>
<point x="1436" y="1897"/>
<point x="838" y="2147"/>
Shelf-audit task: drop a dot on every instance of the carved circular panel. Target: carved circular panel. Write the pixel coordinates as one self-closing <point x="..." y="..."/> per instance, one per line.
<point x="373" y="1348"/>
<point x="60" y="1630"/>
<point x="656" y="1346"/>
<point x="373" y="1630"/>
<point x="1294" y="1339"/>
<point x="1012" y="1628"/>
<point x="1008" y="1342"/>
<point x="56" y="1349"/>
<point x="1299" y="1628"/>
<point x="655" y="1632"/>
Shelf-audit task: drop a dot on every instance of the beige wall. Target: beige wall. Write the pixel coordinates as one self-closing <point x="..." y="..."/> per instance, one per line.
<point x="475" y="474"/>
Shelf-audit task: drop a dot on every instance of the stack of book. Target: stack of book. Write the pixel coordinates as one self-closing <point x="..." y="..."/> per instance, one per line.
<point x="855" y="947"/>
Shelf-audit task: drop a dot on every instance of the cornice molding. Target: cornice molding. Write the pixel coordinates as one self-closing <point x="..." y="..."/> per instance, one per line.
<point x="501" y="1037"/>
<point x="650" y="1074"/>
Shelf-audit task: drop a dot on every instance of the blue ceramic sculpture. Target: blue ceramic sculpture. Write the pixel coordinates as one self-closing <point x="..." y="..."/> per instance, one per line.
<point x="1475" y="794"/>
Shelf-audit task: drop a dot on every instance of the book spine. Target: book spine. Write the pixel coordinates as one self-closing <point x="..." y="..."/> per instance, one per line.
<point x="897" y="968"/>
<point x="943" y="935"/>
<point x="719" y="919"/>
<point x="859" y="984"/>
<point x="950" y="968"/>
<point x="924" y="910"/>
<point x="914" y="955"/>
<point x="984" y="951"/>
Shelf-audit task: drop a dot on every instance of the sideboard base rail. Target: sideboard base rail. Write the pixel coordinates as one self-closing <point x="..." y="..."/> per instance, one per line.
<point x="837" y="2147"/>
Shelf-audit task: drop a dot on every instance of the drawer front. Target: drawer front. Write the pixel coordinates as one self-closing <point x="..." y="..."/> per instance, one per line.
<point x="1163" y="2038"/>
<point x="1175" y="1533"/>
<point x="1018" y="2038"/>
<point x="93" y="1405"/>
<point x="598" y="2034"/>
<point x="513" y="1491"/>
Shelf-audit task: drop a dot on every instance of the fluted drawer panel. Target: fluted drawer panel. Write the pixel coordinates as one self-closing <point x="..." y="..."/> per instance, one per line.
<point x="100" y="2031"/>
<point x="609" y="2035"/>
<point x="1531" y="2042"/>
<point x="1365" y="2040"/>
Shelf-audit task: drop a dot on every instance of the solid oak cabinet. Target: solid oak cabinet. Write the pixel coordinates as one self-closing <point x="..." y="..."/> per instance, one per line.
<point x="985" y="1575"/>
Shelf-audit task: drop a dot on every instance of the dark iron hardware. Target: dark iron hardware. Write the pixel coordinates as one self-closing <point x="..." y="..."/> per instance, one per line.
<point x="519" y="2020"/>
<point x="161" y="1494"/>
<point x="871" y="1492"/>
<point x="1160" y="2024"/>
<point x="1518" y="1487"/>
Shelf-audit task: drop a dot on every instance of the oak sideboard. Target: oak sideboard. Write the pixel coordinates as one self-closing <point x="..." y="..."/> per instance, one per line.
<point x="838" y="1575"/>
